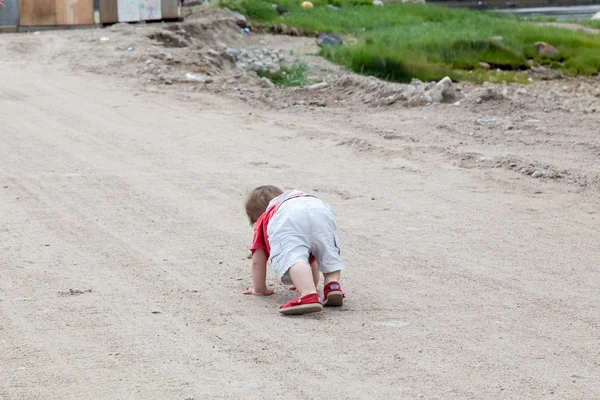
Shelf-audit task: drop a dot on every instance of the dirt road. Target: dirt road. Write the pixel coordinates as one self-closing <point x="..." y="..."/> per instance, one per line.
<point x="123" y="247"/>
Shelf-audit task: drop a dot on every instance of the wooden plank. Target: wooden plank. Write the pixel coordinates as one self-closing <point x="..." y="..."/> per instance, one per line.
<point x="74" y="12"/>
<point x="38" y="12"/>
<point x="128" y="10"/>
<point x="108" y="11"/>
<point x="150" y="10"/>
<point x="170" y="9"/>
<point x="9" y="12"/>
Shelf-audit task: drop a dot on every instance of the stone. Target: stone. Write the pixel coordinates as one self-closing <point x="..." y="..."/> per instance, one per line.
<point x="447" y="82"/>
<point x="239" y="19"/>
<point x="378" y="3"/>
<point x="258" y="66"/>
<point x="545" y="49"/>
<point x="331" y="39"/>
<point x="497" y="39"/>
<point x="332" y="7"/>
<point x="414" y="1"/>
<point x="489" y="93"/>
<point x="266" y="83"/>
<point x="596" y="17"/>
<point x="484" y="65"/>
<point x="537" y="174"/>
<point x="318" y="86"/>
<point x="294" y="32"/>
<point x="168" y="82"/>
<point x="232" y="52"/>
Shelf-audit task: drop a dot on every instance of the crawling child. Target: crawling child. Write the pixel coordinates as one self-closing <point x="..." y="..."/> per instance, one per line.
<point x="297" y="232"/>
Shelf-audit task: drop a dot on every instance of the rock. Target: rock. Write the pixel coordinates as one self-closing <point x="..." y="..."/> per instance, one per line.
<point x="332" y="7"/>
<point x="484" y="65"/>
<point x="488" y="93"/>
<point x="232" y="52"/>
<point x="258" y="66"/>
<point x="420" y="94"/>
<point x="266" y="83"/>
<point x="330" y="39"/>
<point x="318" y="86"/>
<point x="168" y="82"/>
<point x="294" y="32"/>
<point x="545" y="49"/>
<point x="445" y="82"/>
<point x="414" y="1"/>
<point x="596" y="17"/>
<point x="457" y="103"/>
<point x="497" y="39"/>
<point x="378" y="3"/>
<point x="241" y="65"/>
<point x="239" y="19"/>
<point x="537" y="174"/>
<point x="269" y="66"/>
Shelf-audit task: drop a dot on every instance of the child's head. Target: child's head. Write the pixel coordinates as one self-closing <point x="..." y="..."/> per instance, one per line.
<point x="258" y="200"/>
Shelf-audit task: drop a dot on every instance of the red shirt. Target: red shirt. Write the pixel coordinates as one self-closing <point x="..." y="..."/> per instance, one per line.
<point x="261" y="237"/>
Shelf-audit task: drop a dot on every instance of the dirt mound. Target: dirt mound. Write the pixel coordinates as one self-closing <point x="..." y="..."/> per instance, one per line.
<point x="370" y="91"/>
<point x="200" y="33"/>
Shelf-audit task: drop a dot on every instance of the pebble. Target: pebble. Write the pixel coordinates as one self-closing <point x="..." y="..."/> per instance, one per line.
<point x="266" y="83"/>
<point x="318" y="86"/>
<point x="168" y="82"/>
<point x="445" y="82"/>
<point x="257" y="65"/>
<point x="232" y="52"/>
<point x="537" y="174"/>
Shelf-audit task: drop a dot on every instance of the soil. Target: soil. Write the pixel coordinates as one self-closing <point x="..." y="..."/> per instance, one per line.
<point x="123" y="239"/>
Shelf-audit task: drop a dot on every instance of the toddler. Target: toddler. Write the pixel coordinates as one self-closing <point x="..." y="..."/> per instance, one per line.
<point x="297" y="232"/>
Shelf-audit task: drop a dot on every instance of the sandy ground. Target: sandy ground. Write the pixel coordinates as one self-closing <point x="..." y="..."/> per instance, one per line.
<point x="123" y="238"/>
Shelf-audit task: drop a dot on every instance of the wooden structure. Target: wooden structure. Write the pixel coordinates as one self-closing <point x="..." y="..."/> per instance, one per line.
<point x="112" y="11"/>
<point x="45" y="13"/>
<point x="51" y="12"/>
<point x="9" y="15"/>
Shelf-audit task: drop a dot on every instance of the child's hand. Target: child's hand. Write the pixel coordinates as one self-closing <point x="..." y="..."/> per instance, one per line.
<point x="266" y="292"/>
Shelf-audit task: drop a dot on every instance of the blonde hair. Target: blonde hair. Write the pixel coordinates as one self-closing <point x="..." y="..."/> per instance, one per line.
<point x="258" y="200"/>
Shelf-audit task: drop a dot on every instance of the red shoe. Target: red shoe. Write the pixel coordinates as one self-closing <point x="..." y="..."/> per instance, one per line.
<point x="302" y="305"/>
<point x="334" y="297"/>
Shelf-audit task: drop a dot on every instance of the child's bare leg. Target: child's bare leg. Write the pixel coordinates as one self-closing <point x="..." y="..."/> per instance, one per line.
<point x="302" y="276"/>
<point x="332" y="276"/>
<point x="315" y="273"/>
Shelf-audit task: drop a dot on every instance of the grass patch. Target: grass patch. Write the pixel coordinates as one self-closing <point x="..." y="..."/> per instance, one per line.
<point x="400" y="42"/>
<point x="296" y="75"/>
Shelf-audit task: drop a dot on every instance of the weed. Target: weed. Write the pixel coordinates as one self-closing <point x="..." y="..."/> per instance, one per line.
<point x="296" y="75"/>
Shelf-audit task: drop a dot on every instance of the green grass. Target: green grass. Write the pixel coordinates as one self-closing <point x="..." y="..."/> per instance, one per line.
<point x="400" y="42"/>
<point x="297" y="75"/>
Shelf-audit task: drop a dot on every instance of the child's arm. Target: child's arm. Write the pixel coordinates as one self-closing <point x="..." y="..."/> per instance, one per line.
<point x="259" y="275"/>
